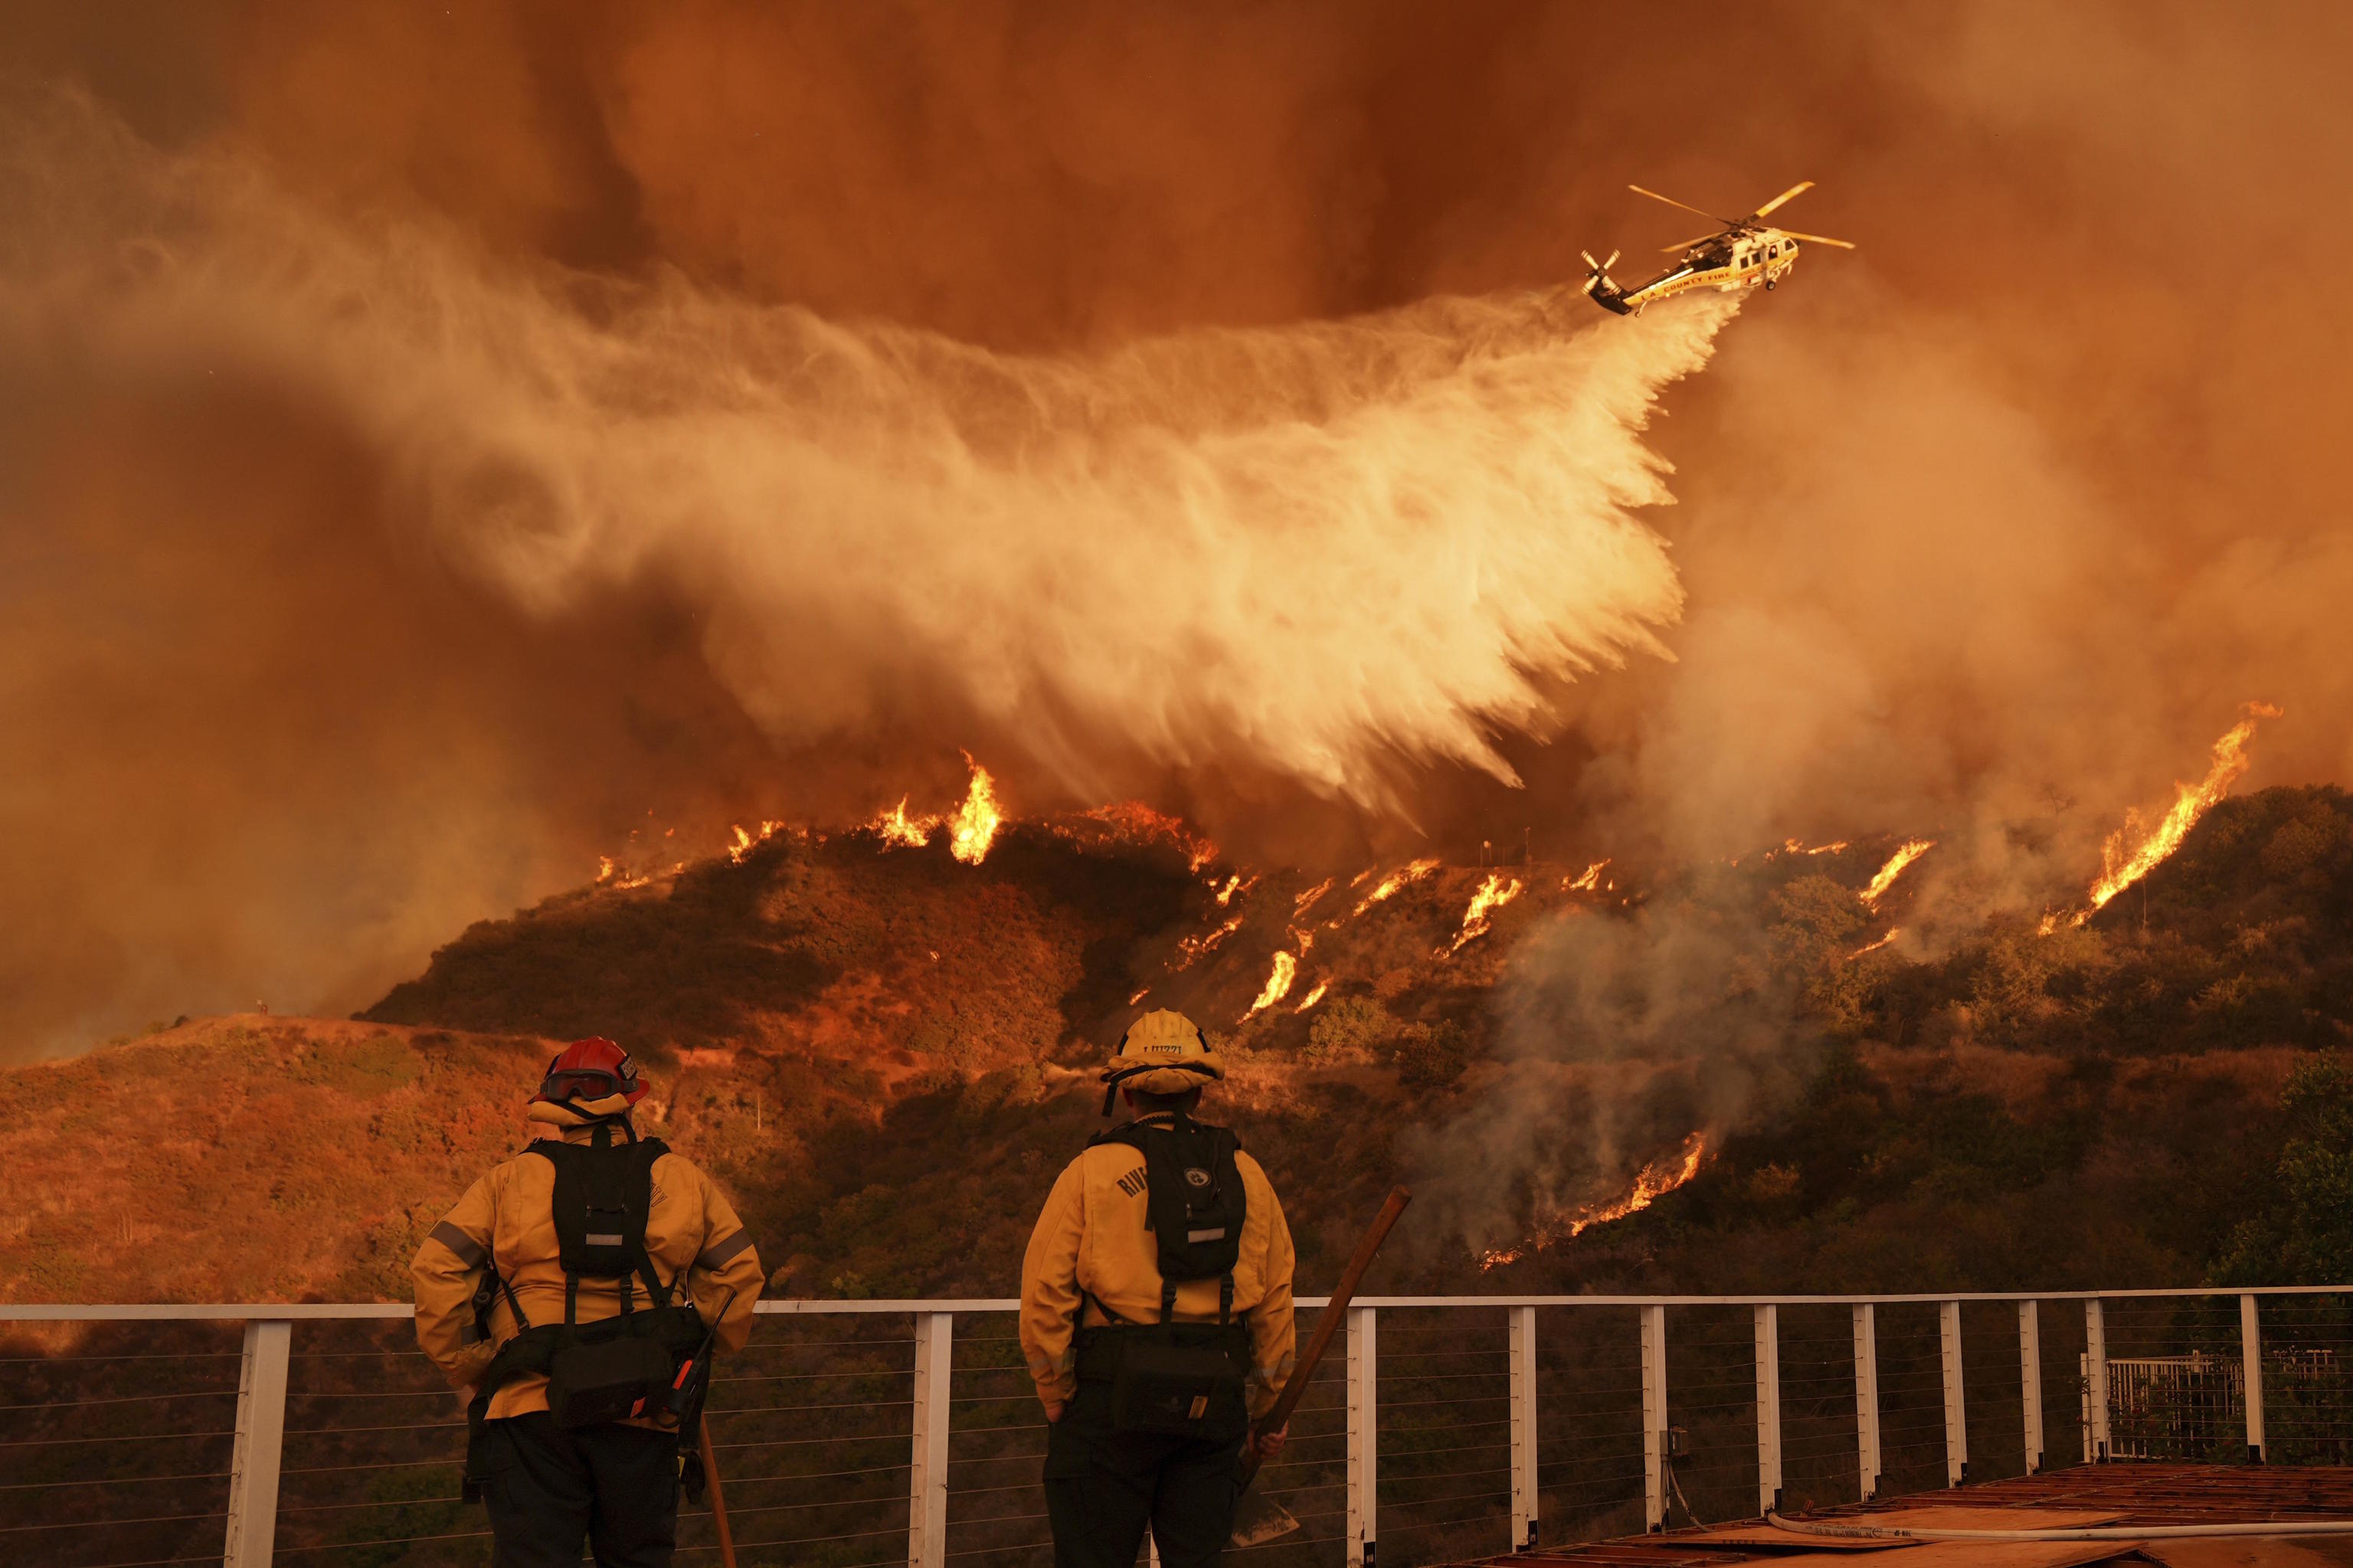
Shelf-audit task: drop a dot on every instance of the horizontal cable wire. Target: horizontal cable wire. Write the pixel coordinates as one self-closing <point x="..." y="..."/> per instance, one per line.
<point x="134" y="1438"/>
<point x="115" y="1482"/>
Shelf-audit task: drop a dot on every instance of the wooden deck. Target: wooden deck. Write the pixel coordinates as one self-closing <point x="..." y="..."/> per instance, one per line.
<point x="2120" y="1495"/>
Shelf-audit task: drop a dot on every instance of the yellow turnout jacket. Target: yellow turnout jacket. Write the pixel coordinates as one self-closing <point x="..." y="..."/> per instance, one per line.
<point x="1091" y="1239"/>
<point x="508" y="1219"/>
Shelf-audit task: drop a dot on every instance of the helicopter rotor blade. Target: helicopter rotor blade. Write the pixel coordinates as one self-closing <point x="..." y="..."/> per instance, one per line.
<point x="1679" y="250"/>
<point x="1800" y="188"/>
<point x="1687" y="206"/>
<point x="1820" y="240"/>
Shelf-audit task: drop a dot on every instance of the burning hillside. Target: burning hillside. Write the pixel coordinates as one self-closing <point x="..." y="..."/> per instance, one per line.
<point x="885" y="1052"/>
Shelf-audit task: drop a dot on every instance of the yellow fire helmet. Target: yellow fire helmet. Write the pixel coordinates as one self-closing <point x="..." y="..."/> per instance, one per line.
<point x="1162" y="1053"/>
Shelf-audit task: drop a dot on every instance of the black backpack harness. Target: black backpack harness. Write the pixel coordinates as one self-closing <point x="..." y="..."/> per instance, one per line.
<point x="633" y="1364"/>
<point x="1182" y="1379"/>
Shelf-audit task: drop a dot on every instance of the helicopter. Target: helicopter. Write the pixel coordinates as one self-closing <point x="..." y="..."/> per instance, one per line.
<point x="1743" y="255"/>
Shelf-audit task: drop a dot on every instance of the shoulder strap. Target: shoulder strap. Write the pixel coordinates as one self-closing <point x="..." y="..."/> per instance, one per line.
<point x="602" y="1198"/>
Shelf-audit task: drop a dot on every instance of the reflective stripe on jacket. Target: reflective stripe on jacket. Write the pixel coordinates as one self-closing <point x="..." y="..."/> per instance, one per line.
<point x="1091" y="1237"/>
<point x="692" y="1234"/>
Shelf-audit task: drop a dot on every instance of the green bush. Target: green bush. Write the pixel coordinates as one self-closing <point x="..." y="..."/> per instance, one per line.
<point x="1432" y="1055"/>
<point x="1353" y="1028"/>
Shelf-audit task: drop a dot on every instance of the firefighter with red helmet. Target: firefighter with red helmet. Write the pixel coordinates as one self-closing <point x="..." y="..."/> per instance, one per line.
<point x="576" y="1293"/>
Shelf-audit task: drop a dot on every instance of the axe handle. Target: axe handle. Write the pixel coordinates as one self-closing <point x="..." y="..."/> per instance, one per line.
<point x="1327" y="1322"/>
<point x="718" y="1499"/>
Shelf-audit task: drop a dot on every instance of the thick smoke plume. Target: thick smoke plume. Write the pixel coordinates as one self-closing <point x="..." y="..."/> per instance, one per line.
<point x="337" y="381"/>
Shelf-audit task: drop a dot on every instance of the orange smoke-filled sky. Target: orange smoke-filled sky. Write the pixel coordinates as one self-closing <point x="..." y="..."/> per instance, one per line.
<point x="432" y="440"/>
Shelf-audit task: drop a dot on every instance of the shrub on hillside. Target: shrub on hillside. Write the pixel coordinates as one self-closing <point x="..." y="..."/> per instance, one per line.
<point x="1353" y="1029"/>
<point x="2305" y="1237"/>
<point x="1432" y="1055"/>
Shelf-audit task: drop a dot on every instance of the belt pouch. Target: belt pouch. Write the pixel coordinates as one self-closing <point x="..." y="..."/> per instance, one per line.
<point x="609" y="1378"/>
<point x="1179" y="1380"/>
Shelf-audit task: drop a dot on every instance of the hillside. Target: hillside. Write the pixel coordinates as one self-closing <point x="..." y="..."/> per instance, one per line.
<point x="886" y="1053"/>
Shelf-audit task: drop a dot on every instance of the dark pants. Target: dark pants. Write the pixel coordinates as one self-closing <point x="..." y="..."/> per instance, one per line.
<point x="1104" y="1486"/>
<point x="547" y="1487"/>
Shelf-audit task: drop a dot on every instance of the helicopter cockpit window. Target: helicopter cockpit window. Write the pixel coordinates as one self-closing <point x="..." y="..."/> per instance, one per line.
<point x="1775" y="251"/>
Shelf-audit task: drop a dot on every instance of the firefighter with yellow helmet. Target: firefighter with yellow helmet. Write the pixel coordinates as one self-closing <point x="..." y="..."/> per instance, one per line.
<point x="1155" y="1314"/>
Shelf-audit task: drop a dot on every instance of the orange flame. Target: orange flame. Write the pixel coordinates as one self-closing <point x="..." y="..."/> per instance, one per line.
<point x="976" y="824"/>
<point x="1317" y="995"/>
<point x="1278" y="984"/>
<point x="1234" y="887"/>
<point x="895" y="827"/>
<point x="1655" y="1181"/>
<point x="746" y="842"/>
<point x="1588" y="883"/>
<point x="1402" y="876"/>
<point x="2122" y="867"/>
<point x="1906" y="853"/>
<point x="604" y="868"/>
<point x="1492" y="895"/>
<point x="1298" y="906"/>
<point x="1139" y="996"/>
<point x="1192" y="948"/>
<point x="1135" y="820"/>
<point x="972" y="827"/>
<point x="1875" y="946"/>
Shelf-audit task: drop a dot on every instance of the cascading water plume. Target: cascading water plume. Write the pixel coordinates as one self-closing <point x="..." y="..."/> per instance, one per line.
<point x="1323" y="550"/>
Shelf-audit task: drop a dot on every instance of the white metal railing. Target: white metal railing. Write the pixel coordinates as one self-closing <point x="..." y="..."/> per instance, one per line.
<point x="2225" y="1381"/>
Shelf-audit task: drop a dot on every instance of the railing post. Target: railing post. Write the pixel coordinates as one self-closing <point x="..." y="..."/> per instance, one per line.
<point x="1768" y="1409"/>
<point x="2030" y="1380"/>
<point x="2096" y="1382"/>
<point x="1524" y="1428"/>
<point x="928" y="1482"/>
<point x="1654" y="1418"/>
<point x="1866" y="1398"/>
<point x="1957" y="1416"/>
<point x="2251" y="1352"/>
<point x="1364" y="1436"/>
<point x="260" y="1445"/>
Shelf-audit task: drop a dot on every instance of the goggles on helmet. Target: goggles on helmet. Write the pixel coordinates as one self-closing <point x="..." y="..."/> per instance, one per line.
<point x="585" y="1083"/>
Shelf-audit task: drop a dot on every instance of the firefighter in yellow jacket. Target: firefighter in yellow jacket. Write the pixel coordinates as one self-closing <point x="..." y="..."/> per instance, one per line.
<point x="1156" y="1315"/>
<point x="576" y="1293"/>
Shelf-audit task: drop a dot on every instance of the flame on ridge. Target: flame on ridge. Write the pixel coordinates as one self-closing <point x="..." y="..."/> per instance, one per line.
<point x="1278" y="983"/>
<point x="1655" y="1181"/>
<point x="1402" y="876"/>
<point x="1492" y="895"/>
<point x="1317" y="995"/>
<point x="1906" y="853"/>
<point x="2120" y="867"/>
<point x="746" y="842"/>
<point x="1298" y="906"/>
<point x="1135" y="820"/>
<point x="1588" y="883"/>
<point x="972" y="827"/>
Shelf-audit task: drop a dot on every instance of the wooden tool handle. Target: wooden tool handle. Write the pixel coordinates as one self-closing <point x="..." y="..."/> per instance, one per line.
<point x="1326" y="1323"/>
<point x="718" y="1498"/>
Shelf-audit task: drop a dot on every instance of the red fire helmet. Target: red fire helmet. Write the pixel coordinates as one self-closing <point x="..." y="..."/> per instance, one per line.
<point x="590" y="1070"/>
